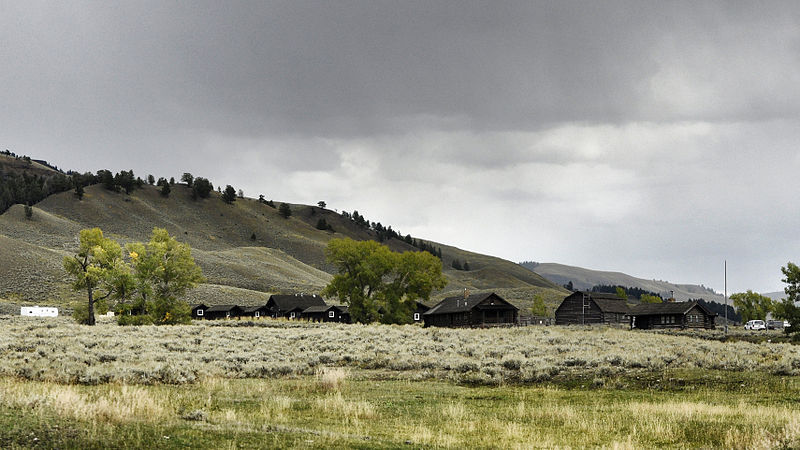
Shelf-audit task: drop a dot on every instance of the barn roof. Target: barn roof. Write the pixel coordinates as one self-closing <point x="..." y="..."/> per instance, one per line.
<point x="460" y="304"/>
<point x="646" y="309"/>
<point x="292" y="301"/>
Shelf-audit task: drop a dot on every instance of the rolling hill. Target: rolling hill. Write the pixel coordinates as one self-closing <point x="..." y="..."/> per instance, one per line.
<point x="246" y="249"/>
<point x="583" y="279"/>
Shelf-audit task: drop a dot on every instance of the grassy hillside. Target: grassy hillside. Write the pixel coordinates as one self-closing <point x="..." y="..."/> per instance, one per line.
<point x="246" y="249"/>
<point x="586" y="278"/>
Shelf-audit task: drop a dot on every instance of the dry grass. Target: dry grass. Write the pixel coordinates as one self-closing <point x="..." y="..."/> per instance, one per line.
<point x="61" y="351"/>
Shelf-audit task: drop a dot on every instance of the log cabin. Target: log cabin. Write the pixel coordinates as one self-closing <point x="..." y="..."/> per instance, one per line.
<point x="585" y="308"/>
<point x="681" y="315"/>
<point x="476" y="310"/>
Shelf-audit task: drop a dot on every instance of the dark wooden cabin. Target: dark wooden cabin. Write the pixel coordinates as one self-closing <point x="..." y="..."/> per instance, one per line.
<point x="255" y="312"/>
<point x="222" y="312"/>
<point x="671" y="315"/>
<point x="291" y="306"/>
<point x="324" y="313"/>
<point x="198" y="311"/>
<point x="420" y="309"/>
<point x="476" y="310"/>
<point x="584" y="308"/>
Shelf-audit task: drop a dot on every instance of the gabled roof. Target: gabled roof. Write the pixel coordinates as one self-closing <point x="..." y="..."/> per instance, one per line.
<point x="252" y="309"/>
<point x="646" y="309"/>
<point x="608" y="303"/>
<point x="194" y="306"/>
<point x="221" y="308"/>
<point x="320" y="308"/>
<point x="293" y="301"/>
<point x="461" y="304"/>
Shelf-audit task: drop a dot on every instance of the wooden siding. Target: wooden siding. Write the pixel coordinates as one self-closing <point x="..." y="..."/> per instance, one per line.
<point x="572" y="311"/>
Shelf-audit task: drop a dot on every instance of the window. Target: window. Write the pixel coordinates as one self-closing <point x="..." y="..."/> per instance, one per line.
<point x="416" y="316"/>
<point x="291" y="315"/>
<point x="257" y="314"/>
<point x="331" y="314"/>
<point x="199" y="312"/>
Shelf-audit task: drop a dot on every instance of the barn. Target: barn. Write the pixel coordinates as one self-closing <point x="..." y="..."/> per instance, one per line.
<point x="583" y="308"/>
<point x="671" y="315"/>
<point x="291" y="306"/>
<point x="476" y="310"/>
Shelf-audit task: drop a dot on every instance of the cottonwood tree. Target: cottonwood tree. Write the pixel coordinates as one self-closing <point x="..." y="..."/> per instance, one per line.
<point x="93" y="267"/>
<point x="648" y="298"/>
<point x="372" y="278"/>
<point x="539" y="309"/>
<point x="788" y="309"/>
<point x="752" y="305"/>
<point x="164" y="270"/>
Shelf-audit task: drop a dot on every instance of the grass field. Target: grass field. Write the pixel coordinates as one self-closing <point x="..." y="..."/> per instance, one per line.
<point x="362" y="410"/>
<point x="289" y="384"/>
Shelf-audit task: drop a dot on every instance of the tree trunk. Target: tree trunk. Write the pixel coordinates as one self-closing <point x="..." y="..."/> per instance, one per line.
<point x="90" y="320"/>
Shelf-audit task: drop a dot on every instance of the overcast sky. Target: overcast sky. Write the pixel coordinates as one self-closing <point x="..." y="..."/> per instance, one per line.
<point x="653" y="138"/>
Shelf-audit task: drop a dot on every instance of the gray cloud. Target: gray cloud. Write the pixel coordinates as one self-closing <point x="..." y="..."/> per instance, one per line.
<point x="652" y="137"/>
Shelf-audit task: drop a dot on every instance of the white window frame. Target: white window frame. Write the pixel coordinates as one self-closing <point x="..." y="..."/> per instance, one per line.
<point x="291" y="315"/>
<point x="257" y="314"/>
<point x="200" y="312"/>
<point x="416" y="316"/>
<point x="332" y="314"/>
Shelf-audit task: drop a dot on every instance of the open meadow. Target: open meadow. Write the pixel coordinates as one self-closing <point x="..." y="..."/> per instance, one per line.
<point x="290" y="384"/>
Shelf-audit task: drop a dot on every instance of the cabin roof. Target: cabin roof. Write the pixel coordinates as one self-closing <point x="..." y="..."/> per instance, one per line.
<point x="222" y="308"/>
<point x="608" y="303"/>
<point x="460" y="304"/>
<point x="320" y="308"/>
<point x="645" y="309"/>
<point x="252" y="309"/>
<point x="287" y="302"/>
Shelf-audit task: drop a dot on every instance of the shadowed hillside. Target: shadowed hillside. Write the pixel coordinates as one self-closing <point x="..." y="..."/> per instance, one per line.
<point x="247" y="250"/>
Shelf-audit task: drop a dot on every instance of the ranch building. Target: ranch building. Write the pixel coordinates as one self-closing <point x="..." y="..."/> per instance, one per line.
<point x="421" y="308"/>
<point x="476" y="310"/>
<point x="291" y="306"/>
<point x="223" y="312"/>
<point x="324" y="313"/>
<point x="198" y="311"/>
<point x="255" y="312"/>
<point x="682" y="315"/>
<point x="584" y="308"/>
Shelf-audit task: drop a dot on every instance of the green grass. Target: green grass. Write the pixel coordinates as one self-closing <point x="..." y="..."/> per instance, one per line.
<point x="365" y="411"/>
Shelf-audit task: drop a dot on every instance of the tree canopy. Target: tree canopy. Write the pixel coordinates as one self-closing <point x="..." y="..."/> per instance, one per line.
<point x="93" y="267"/>
<point x="378" y="284"/>
<point x="752" y="305"/>
<point x="149" y="287"/>
<point x="788" y="309"/>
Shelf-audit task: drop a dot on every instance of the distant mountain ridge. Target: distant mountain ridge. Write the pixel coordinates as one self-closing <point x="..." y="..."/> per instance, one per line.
<point x="583" y="279"/>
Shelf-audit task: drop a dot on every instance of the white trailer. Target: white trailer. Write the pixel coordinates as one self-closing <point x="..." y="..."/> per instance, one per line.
<point x="38" y="311"/>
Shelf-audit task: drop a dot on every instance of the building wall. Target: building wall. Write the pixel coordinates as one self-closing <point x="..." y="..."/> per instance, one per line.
<point x="571" y="311"/>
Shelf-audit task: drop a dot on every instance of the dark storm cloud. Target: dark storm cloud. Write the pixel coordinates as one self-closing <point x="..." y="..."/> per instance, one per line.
<point x="621" y="128"/>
